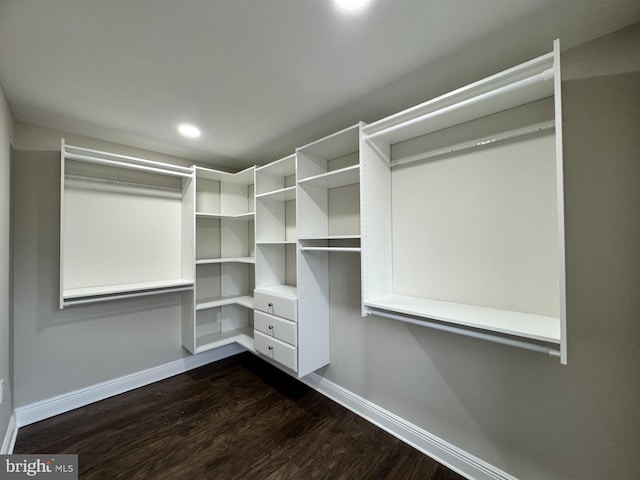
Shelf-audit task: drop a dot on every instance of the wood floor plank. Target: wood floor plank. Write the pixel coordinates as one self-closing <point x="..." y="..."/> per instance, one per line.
<point x="239" y="418"/>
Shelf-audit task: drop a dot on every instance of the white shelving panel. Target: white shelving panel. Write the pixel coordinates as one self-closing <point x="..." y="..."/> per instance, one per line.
<point x="224" y="212"/>
<point x="276" y="224"/>
<point x="127" y="218"/>
<point x="328" y="190"/>
<point x="463" y="218"/>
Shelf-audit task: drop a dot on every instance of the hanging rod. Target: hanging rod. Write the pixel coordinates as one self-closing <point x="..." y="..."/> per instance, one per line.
<point x="126" y="157"/>
<point x="122" y="296"/>
<point x="540" y="77"/>
<point x="468" y="333"/>
<point x="479" y="142"/>
<point x="120" y="183"/>
<point x="131" y="166"/>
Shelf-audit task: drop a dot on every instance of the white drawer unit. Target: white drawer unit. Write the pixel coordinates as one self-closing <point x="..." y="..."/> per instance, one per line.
<point x="278" y="351"/>
<point x="276" y="327"/>
<point x="274" y="304"/>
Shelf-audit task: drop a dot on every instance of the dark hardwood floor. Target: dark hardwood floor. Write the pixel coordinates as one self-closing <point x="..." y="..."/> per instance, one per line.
<point x="239" y="418"/>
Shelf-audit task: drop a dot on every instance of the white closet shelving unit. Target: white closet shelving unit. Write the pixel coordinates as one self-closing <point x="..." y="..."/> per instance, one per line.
<point x="224" y="260"/>
<point x="275" y="327"/>
<point x="462" y="222"/>
<point x="125" y="227"/>
<point x="328" y="221"/>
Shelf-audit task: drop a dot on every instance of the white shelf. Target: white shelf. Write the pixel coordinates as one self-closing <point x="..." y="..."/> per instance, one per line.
<point x="332" y="237"/>
<point x="216" y="216"/>
<point x="277" y="242"/>
<point x="331" y="249"/>
<point x="282" y="290"/>
<point x="205" y="261"/>
<point x="334" y="179"/>
<point x="244" y="177"/>
<point x="242" y="300"/>
<point x="71" y="293"/>
<point x="525" y="83"/>
<point x="283" y="194"/>
<point x="242" y="336"/>
<point x="518" y="324"/>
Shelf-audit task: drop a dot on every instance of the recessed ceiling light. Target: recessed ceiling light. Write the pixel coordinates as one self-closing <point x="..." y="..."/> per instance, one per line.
<point x="190" y="131"/>
<point x="351" y="4"/>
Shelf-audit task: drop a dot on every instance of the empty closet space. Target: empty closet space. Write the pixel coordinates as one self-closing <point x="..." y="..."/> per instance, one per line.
<point x="122" y="224"/>
<point x="463" y="224"/>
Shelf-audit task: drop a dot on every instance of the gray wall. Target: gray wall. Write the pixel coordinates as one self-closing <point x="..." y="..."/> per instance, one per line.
<point x="57" y="351"/>
<point x="6" y="130"/>
<point x="522" y="411"/>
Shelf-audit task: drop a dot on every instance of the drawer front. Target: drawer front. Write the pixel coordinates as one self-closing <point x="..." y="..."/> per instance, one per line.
<point x="276" y="327"/>
<point x="276" y="350"/>
<point x="275" y="305"/>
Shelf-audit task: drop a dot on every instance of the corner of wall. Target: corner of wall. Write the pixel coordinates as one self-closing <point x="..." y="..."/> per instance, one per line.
<point x="6" y="407"/>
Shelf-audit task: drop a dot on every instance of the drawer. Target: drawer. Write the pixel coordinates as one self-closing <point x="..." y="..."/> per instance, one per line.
<point x="280" y="306"/>
<point x="276" y="350"/>
<point x="276" y="327"/>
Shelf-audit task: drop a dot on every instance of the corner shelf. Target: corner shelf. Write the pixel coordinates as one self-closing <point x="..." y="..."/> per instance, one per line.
<point x="242" y="336"/>
<point x="224" y="260"/>
<point x="242" y="300"/>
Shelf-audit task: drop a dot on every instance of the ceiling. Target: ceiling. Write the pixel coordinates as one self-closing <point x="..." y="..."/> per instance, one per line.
<point x="260" y="77"/>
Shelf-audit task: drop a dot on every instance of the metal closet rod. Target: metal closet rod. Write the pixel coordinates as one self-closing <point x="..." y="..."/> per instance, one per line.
<point x="126" y="157"/>
<point x="122" y="296"/>
<point x="479" y="142"/>
<point x="468" y="333"/>
<point x="131" y="166"/>
<point x="540" y="77"/>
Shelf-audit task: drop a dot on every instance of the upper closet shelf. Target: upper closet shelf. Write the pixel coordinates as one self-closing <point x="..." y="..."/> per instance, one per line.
<point x="525" y="83"/>
<point x="244" y="177"/>
<point x="88" y="155"/>
<point x="283" y="194"/>
<point x="335" y="178"/>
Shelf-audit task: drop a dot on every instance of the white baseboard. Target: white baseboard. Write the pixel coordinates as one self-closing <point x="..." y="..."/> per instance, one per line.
<point x="10" y="436"/>
<point x="449" y="455"/>
<point x="50" y="407"/>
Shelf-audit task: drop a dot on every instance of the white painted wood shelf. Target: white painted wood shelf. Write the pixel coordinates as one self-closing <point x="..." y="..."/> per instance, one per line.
<point x="518" y="324"/>
<point x="334" y="179"/>
<point x="242" y="300"/>
<point x="242" y="336"/>
<point x="205" y="261"/>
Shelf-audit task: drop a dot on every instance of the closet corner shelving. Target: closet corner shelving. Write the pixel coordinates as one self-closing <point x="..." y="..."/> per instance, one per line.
<point x="132" y="252"/>
<point x="467" y="127"/>
<point x="224" y="260"/>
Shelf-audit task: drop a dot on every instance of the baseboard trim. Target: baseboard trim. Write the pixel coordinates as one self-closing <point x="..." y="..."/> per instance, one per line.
<point x="10" y="436"/>
<point x="50" y="407"/>
<point x="447" y="454"/>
